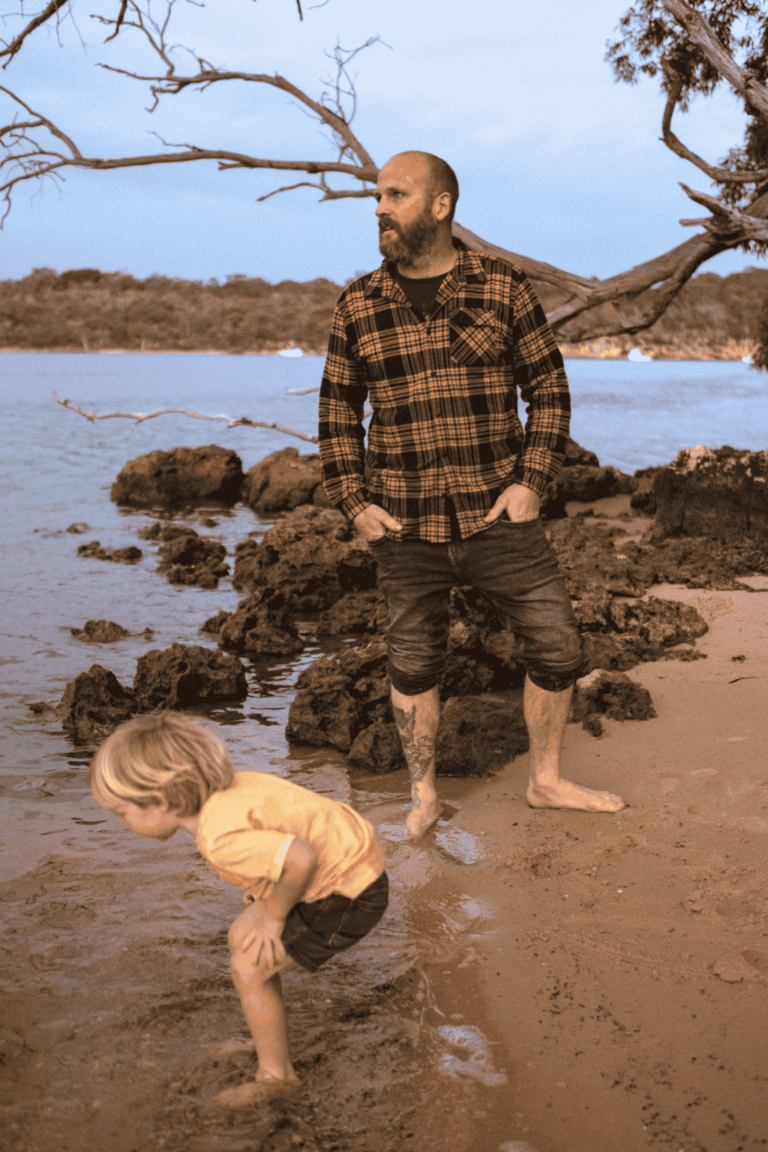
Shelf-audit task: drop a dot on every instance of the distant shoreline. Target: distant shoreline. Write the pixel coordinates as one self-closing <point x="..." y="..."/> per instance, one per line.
<point x="569" y="352"/>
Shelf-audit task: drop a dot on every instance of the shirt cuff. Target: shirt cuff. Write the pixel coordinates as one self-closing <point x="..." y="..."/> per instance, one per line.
<point x="353" y="505"/>
<point x="536" y="481"/>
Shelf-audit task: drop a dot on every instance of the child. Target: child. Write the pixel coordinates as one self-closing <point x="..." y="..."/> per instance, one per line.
<point x="310" y="868"/>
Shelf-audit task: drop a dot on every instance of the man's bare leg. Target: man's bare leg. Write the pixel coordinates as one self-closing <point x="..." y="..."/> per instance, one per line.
<point x="417" y="719"/>
<point x="546" y="714"/>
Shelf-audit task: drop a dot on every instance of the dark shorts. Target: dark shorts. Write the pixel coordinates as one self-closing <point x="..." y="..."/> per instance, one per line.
<point x="315" y="932"/>
<point x="512" y="564"/>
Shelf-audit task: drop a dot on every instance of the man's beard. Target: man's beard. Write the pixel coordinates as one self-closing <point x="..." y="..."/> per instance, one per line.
<point x="404" y="244"/>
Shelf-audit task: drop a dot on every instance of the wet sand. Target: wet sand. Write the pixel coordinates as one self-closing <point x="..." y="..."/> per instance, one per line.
<point x="582" y="983"/>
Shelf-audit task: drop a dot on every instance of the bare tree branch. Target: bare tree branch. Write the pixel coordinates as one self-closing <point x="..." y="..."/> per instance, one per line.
<point x="700" y="33"/>
<point x="50" y="9"/>
<point x="140" y="417"/>
<point x="725" y="220"/>
<point x="721" y="175"/>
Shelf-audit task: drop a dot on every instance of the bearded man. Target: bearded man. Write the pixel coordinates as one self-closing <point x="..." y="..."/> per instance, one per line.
<point x="448" y="492"/>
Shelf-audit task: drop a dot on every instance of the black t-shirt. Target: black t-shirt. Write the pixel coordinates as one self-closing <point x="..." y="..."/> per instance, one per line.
<point x="420" y="294"/>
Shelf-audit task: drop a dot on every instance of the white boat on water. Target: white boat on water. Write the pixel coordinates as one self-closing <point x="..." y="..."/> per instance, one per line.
<point x="636" y="356"/>
<point x="291" y="352"/>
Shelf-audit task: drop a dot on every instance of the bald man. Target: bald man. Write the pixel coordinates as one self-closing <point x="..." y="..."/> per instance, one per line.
<point x="439" y="340"/>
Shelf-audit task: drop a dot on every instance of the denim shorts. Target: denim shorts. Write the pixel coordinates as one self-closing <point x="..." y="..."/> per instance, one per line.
<point x="315" y="932"/>
<point x="513" y="565"/>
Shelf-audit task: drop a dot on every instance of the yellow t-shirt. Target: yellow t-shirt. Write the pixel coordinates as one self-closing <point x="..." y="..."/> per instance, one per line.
<point x="245" y="832"/>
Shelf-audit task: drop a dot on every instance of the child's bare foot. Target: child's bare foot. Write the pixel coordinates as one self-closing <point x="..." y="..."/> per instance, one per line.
<point x="564" y="794"/>
<point x="231" y="1047"/>
<point x="425" y="812"/>
<point x="263" y="1088"/>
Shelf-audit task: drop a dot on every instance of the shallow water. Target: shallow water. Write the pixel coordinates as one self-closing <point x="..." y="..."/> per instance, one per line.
<point x="114" y="971"/>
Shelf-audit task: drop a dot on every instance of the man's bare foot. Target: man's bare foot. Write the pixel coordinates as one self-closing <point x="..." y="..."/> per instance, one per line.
<point x="425" y="812"/>
<point x="231" y="1047"/>
<point x="263" y="1088"/>
<point x="564" y="794"/>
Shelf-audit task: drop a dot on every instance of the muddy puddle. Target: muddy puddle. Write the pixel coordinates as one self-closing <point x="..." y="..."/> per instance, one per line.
<point x="117" y="1000"/>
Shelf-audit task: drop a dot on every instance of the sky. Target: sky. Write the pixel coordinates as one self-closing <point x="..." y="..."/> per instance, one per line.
<point x="555" y="160"/>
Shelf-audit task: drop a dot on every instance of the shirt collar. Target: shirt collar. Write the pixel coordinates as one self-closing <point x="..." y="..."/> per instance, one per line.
<point x="468" y="269"/>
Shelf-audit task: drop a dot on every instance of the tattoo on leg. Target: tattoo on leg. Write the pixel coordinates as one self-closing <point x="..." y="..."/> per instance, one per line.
<point x="419" y="753"/>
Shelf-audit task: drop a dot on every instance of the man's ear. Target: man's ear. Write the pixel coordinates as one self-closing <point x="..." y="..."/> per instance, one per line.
<point x="442" y="206"/>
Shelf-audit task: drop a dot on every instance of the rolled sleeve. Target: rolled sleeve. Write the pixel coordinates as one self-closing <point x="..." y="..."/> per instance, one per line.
<point x="341" y="435"/>
<point x="543" y="384"/>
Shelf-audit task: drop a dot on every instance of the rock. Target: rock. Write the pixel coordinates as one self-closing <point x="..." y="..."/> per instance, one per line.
<point x="592" y="565"/>
<point x="180" y="477"/>
<point x="604" y="693"/>
<point x="78" y="528"/>
<point x="312" y="557"/>
<point x="702" y="562"/>
<point x="282" y="481"/>
<point x="660" y="623"/>
<point x="477" y="736"/>
<point x="643" y="499"/>
<point x="94" y="703"/>
<point x="610" y="652"/>
<point x="261" y="625"/>
<point x="338" y="696"/>
<point x="166" y="531"/>
<point x="585" y="483"/>
<point x="94" y="550"/>
<point x="575" y="454"/>
<point x="214" y="624"/>
<point x="377" y="749"/>
<point x="193" y="560"/>
<point x="184" y="675"/>
<point x="355" y="613"/>
<point x="100" y="632"/>
<point x="720" y="494"/>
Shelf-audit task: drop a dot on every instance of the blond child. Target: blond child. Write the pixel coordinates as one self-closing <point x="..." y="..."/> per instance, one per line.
<point x="310" y="869"/>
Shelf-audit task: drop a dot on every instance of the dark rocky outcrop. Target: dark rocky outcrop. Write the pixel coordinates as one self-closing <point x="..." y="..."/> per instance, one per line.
<point x="582" y="479"/>
<point x="612" y="694"/>
<point x="100" y="632"/>
<point x="702" y="562"/>
<point x="184" y="675"/>
<point x="284" y="480"/>
<point x="477" y="737"/>
<point x="338" y="696"/>
<point x="94" y="703"/>
<point x="94" y="550"/>
<point x="187" y="558"/>
<point x="214" y="624"/>
<point x="592" y="565"/>
<point x="312" y="557"/>
<point x="261" y="625"/>
<point x="356" y="613"/>
<point x="181" y="477"/>
<point x="720" y="494"/>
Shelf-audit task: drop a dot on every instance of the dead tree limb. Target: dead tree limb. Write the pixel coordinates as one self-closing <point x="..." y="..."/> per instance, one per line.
<point x="140" y="417"/>
<point x="33" y="147"/>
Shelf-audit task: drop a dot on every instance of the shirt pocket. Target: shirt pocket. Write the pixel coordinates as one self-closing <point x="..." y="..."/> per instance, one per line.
<point x="476" y="338"/>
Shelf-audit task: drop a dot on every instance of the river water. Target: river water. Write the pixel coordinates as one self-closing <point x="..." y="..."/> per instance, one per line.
<point x="90" y="925"/>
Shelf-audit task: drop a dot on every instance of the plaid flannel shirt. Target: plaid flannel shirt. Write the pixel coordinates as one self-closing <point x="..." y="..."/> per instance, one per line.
<point x="445" y="438"/>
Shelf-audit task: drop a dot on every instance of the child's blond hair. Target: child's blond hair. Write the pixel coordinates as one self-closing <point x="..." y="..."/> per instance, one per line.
<point x="166" y="753"/>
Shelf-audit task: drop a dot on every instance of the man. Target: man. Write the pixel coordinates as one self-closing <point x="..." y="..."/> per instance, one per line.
<point x="448" y="492"/>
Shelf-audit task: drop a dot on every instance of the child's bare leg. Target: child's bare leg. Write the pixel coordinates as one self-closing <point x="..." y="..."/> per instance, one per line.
<point x="261" y="997"/>
<point x="417" y="719"/>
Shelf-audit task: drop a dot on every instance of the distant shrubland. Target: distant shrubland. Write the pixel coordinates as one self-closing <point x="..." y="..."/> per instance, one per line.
<point x="713" y="317"/>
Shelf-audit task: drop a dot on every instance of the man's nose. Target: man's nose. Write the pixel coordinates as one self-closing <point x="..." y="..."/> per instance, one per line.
<point x="380" y="208"/>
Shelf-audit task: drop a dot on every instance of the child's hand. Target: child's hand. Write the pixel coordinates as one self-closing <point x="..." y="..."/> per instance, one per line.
<point x="263" y="943"/>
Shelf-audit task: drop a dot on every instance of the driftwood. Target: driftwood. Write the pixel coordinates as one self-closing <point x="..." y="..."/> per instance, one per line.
<point x="140" y="417"/>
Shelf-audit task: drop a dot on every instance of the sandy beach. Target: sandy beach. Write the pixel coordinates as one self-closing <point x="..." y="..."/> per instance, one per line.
<point x="574" y="982"/>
